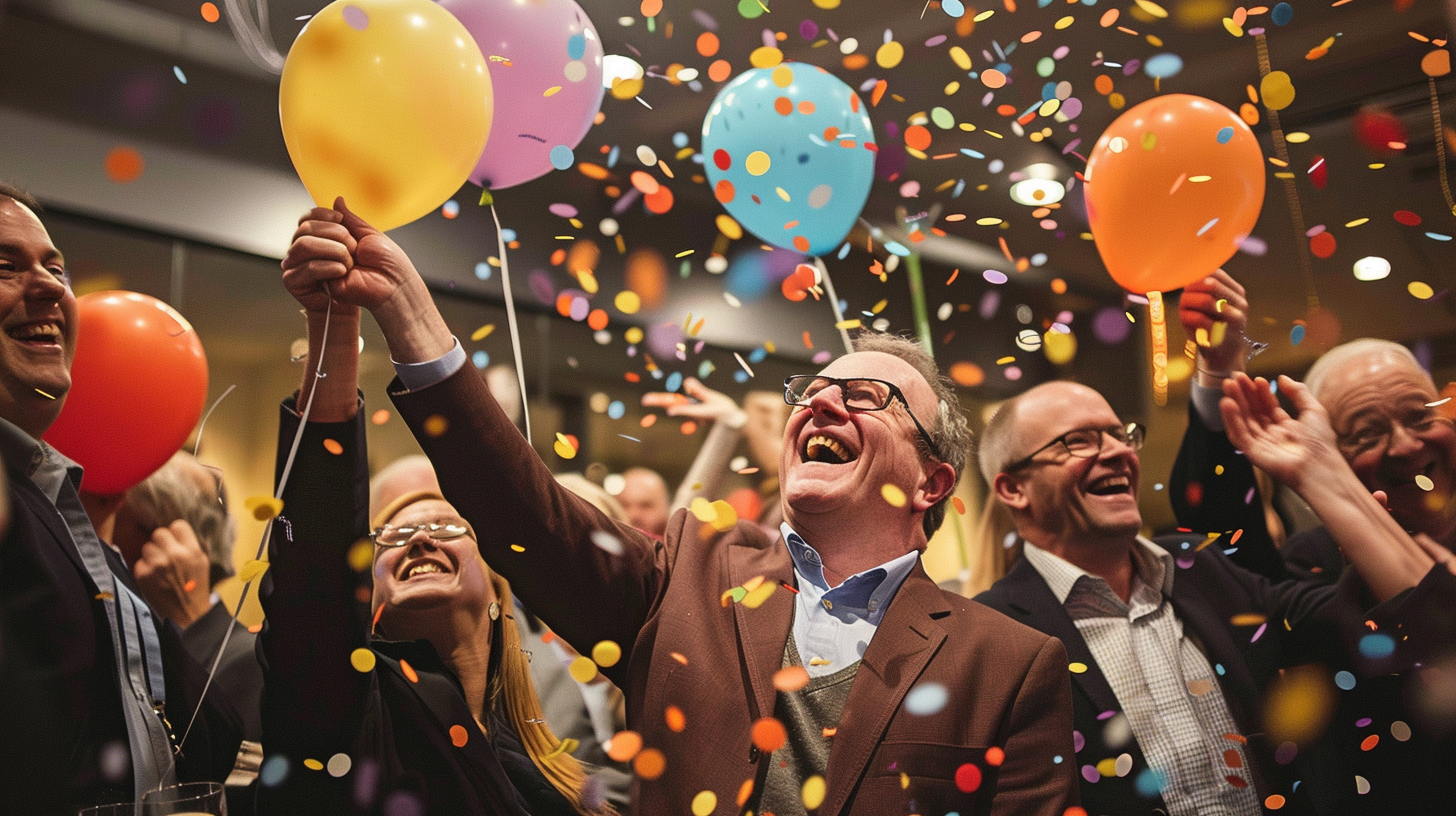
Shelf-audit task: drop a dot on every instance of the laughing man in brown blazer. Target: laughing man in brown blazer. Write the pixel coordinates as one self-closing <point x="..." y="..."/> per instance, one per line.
<point x="917" y="700"/>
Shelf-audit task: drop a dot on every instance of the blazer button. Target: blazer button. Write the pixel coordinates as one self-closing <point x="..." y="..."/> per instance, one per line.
<point x="752" y="753"/>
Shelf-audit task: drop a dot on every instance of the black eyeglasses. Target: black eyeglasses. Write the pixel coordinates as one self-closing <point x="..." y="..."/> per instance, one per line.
<point x="391" y="536"/>
<point x="857" y="393"/>
<point x="1085" y="443"/>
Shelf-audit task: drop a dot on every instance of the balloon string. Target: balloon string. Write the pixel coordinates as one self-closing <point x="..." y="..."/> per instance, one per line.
<point x="834" y="304"/>
<point x="1158" y="328"/>
<point x="511" y="319"/>
<point x="268" y="528"/>
<point x="1440" y="145"/>
<point x="197" y="446"/>
<point x="1291" y="193"/>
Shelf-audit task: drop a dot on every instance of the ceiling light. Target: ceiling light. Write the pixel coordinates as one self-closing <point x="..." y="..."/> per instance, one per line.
<point x="616" y="67"/>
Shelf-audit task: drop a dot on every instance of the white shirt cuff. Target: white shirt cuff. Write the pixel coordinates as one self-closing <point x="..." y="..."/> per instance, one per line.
<point x="417" y="376"/>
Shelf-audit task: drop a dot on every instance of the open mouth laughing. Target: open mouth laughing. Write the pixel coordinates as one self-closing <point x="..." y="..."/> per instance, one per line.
<point x="821" y="448"/>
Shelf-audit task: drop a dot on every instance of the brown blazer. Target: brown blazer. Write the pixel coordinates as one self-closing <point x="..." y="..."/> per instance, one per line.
<point x="683" y="645"/>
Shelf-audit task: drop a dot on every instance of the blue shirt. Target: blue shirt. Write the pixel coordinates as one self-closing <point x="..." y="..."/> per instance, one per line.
<point x="833" y="625"/>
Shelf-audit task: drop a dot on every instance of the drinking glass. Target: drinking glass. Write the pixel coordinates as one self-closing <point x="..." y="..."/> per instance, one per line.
<point x="187" y="799"/>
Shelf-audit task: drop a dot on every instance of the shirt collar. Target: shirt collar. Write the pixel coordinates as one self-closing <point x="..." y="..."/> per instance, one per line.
<point x="1152" y="565"/>
<point x="45" y="465"/>
<point x="865" y="594"/>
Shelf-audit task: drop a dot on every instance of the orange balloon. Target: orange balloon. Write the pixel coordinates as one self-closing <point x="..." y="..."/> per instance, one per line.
<point x="1173" y="187"/>
<point x="137" y="389"/>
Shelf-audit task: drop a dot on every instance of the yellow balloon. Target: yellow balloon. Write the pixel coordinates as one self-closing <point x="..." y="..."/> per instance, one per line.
<point x="386" y="103"/>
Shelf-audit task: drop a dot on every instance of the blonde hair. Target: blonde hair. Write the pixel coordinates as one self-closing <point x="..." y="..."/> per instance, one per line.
<point x="511" y="686"/>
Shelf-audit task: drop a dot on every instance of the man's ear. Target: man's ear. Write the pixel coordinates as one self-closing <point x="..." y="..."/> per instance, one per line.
<point x="938" y="484"/>
<point x="1009" y="491"/>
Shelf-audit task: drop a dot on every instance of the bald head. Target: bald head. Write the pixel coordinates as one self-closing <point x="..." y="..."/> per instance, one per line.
<point x="644" y="497"/>
<point x="407" y="474"/>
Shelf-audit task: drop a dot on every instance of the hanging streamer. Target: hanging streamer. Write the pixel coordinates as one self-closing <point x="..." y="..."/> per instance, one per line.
<point x="1440" y="145"/>
<point x="834" y="304"/>
<point x="1291" y="194"/>
<point x="511" y="317"/>
<point x="1158" y="328"/>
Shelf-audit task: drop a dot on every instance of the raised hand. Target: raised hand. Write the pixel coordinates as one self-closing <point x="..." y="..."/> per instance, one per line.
<point x="705" y="404"/>
<point x="1214" y="313"/>
<point x="172" y="574"/>
<point x="1295" y="451"/>
<point x="336" y="252"/>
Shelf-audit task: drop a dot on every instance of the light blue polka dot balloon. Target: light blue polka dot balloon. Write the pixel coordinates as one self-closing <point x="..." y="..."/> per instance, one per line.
<point x="788" y="154"/>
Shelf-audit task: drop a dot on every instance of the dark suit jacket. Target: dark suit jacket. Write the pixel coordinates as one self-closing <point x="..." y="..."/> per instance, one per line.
<point x="239" y="677"/>
<point x="714" y="659"/>
<point x="1208" y="592"/>
<point x="60" y="705"/>
<point x="392" y="723"/>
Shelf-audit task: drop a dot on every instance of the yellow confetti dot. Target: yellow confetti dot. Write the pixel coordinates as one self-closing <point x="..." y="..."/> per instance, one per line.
<point x="730" y="228"/>
<point x="313" y="765"/>
<point x="904" y="781"/>
<point x="518" y="548"/>
<point x="782" y="76"/>
<point x="582" y="669"/>
<point x="263" y="507"/>
<point x="988" y="221"/>
<point x="1065" y="22"/>
<point x="563" y="447"/>
<point x="633" y="335"/>
<point x="765" y="57"/>
<point x="757" y="163"/>
<point x="362" y="660"/>
<point x="361" y="555"/>
<point x="892" y="494"/>
<point x="482" y="332"/>
<point x="252" y="570"/>
<point x="1424" y="482"/>
<point x="1420" y="290"/>
<point x="985" y="15"/>
<point x="627" y="302"/>
<point x="756" y="596"/>
<point x="704" y="803"/>
<point x="606" y="654"/>
<point x="1077" y="668"/>
<point x="813" y="792"/>
<point x="436" y="425"/>
<point x="889" y="54"/>
<point x="724" y="516"/>
<point x="1152" y="9"/>
<point x="1107" y="767"/>
<point x="1277" y="90"/>
<point x="961" y="58"/>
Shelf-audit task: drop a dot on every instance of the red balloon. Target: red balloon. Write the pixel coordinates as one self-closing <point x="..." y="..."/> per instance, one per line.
<point x="1173" y="187"/>
<point x="138" y="386"/>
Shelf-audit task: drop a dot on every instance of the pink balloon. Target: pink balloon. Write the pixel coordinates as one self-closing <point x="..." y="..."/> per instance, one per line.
<point x="545" y="63"/>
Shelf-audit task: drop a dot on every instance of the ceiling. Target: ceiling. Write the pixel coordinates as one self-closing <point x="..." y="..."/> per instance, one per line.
<point x="109" y="65"/>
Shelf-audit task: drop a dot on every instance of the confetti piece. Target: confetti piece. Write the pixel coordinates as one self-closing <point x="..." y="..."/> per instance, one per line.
<point x="791" y="678"/>
<point x="252" y="570"/>
<point x="675" y="718"/>
<point x="623" y="746"/>
<point x="313" y="764"/>
<point x="704" y="803"/>
<point x="892" y="494"/>
<point x="606" y="654"/>
<point x="582" y="669"/>
<point x="409" y="671"/>
<point x="362" y="660"/>
<point x="436" y="425"/>
<point x="124" y="165"/>
<point x="459" y="736"/>
<point x="926" y="699"/>
<point x="968" y="778"/>
<point x="769" y="734"/>
<point x="813" y="792"/>
<point x="649" y="764"/>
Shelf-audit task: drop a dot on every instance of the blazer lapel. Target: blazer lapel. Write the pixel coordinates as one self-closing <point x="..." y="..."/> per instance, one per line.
<point x="903" y="644"/>
<point x="50" y="518"/>
<point x="763" y="632"/>
<point x="1037" y="607"/>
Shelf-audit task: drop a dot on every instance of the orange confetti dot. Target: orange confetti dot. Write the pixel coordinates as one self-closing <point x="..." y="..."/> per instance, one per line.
<point x="806" y="107"/>
<point x="679" y="657"/>
<point x="333" y="446"/>
<point x="783" y="106"/>
<point x="380" y="417"/>
<point x="995" y="755"/>
<point x="917" y="137"/>
<point x="459" y="736"/>
<point x="1059" y="286"/>
<point x="707" y="44"/>
<point x="209" y="13"/>
<point x="1322" y="245"/>
<point x="744" y="791"/>
<point x="854" y="62"/>
<point x="967" y="374"/>
<point x="563" y="304"/>
<point x="124" y="164"/>
<point x="650" y="764"/>
<point x="624" y="745"/>
<point x="592" y="171"/>
<point x="676" y="719"/>
<point x="649" y="420"/>
<point x="1233" y="758"/>
<point x="189" y="586"/>
<point x="723" y="191"/>
<point x="558" y="256"/>
<point x="689" y="428"/>
<point x="651" y="8"/>
<point x="719" y="70"/>
<point x="1370" y="742"/>
<point x="436" y="425"/>
<point x="792" y="678"/>
<point x="960" y="506"/>
<point x="1103" y="84"/>
<point x="659" y="202"/>
<point x="597" y="320"/>
<point x="769" y="734"/>
<point x="1274" y="802"/>
<point x="801" y="243"/>
<point x="409" y="671"/>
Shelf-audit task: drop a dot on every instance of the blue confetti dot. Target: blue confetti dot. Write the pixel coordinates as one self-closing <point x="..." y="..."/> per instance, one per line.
<point x="1149" y="783"/>
<point x="576" y="46"/>
<point x="1345" y="680"/>
<point x="740" y="376"/>
<point x="1048" y="91"/>
<point x="1163" y="66"/>
<point x="1057" y="760"/>
<point x="926" y="699"/>
<point x="616" y="410"/>
<point x="1225" y="134"/>
<point x="679" y="139"/>
<point x="274" y="771"/>
<point x="896" y="248"/>
<point x="1436" y="236"/>
<point x="953" y="8"/>
<point x="1282" y="14"/>
<point x="480" y="359"/>
<point x="843" y="250"/>
<point x="482" y="271"/>
<point x="613" y="156"/>
<point x="674" y="381"/>
<point x="177" y="72"/>
<point x="508" y="235"/>
<point x="757" y="355"/>
<point x="451" y="208"/>
<point x="561" y="157"/>
<point x="1296" y="335"/>
<point x="1377" y="645"/>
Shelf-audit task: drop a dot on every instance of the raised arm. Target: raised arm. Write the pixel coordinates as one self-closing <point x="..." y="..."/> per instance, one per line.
<point x="1301" y="453"/>
<point x="705" y="477"/>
